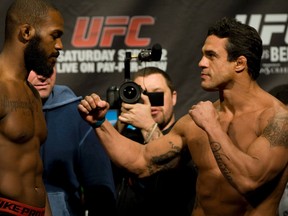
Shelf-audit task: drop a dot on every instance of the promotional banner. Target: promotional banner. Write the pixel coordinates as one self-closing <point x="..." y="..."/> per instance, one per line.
<point x="99" y="34"/>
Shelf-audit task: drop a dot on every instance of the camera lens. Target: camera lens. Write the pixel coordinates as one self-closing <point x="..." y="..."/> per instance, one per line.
<point x="130" y="92"/>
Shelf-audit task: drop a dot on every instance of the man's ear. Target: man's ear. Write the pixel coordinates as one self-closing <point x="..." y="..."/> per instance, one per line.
<point x="174" y="97"/>
<point x="241" y="64"/>
<point x="26" y="32"/>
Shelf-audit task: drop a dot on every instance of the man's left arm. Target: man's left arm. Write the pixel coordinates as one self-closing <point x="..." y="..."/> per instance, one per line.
<point x="262" y="161"/>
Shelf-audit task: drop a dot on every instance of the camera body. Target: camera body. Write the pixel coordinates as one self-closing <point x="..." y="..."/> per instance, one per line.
<point x="130" y="92"/>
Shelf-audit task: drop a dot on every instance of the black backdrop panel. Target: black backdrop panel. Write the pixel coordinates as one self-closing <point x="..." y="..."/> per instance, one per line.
<point x="99" y="33"/>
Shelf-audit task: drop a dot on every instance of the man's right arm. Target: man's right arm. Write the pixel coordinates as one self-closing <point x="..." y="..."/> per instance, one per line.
<point x="121" y="150"/>
<point x="142" y="160"/>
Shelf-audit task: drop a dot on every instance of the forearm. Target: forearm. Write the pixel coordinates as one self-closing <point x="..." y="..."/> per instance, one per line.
<point x="121" y="150"/>
<point x="243" y="169"/>
<point x="120" y="126"/>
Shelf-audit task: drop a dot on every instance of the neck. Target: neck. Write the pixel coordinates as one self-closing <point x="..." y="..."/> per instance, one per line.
<point x="169" y="123"/>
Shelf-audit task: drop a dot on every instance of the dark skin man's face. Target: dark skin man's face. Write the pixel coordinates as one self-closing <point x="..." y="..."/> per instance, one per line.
<point x="36" y="58"/>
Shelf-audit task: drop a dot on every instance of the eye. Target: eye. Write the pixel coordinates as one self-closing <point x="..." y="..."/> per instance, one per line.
<point x="56" y="35"/>
<point x="210" y="54"/>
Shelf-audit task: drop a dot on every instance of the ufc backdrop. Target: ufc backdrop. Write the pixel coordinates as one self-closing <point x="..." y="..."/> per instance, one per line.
<point x="99" y="33"/>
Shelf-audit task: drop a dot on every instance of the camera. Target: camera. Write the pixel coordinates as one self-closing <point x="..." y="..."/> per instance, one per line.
<point x="129" y="91"/>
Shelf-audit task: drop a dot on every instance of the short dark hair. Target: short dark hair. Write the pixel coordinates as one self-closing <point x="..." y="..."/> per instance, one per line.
<point x="242" y="40"/>
<point x="155" y="70"/>
<point x="30" y="12"/>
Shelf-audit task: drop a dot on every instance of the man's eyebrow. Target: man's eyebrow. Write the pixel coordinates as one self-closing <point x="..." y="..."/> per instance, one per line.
<point x="59" y="32"/>
<point x="210" y="52"/>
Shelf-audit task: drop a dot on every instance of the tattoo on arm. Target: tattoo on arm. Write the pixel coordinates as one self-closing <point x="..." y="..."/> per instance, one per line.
<point x="276" y="132"/>
<point x="219" y="156"/>
<point x="158" y="133"/>
<point x="165" y="161"/>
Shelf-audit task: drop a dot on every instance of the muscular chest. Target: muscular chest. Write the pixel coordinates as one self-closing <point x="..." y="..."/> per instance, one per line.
<point x="242" y="131"/>
<point x="22" y="117"/>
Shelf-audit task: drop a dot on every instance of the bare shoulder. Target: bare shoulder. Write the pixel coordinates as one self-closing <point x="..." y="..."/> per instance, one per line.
<point x="184" y="123"/>
<point x="274" y="121"/>
<point x="275" y="109"/>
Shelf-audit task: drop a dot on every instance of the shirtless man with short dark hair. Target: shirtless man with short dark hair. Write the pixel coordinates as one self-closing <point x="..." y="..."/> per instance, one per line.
<point x="238" y="143"/>
<point x="33" y="31"/>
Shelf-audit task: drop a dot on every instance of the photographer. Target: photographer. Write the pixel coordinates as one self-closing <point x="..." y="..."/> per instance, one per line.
<point x="154" y="195"/>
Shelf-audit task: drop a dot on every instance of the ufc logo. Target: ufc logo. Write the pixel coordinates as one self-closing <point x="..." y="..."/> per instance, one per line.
<point x="100" y="31"/>
<point x="271" y="24"/>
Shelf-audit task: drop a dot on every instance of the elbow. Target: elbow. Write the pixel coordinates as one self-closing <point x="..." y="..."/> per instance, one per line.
<point x="138" y="168"/>
<point x="248" y="186"/>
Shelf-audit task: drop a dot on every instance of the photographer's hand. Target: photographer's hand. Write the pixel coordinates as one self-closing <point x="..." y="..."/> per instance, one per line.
<point x="138" y="115"/>
<point x="93" y="109"/>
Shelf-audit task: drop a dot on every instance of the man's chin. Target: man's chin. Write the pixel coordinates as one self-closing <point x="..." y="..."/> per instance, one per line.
<point x="208" y="88"/>
<point x="43" y="93"/>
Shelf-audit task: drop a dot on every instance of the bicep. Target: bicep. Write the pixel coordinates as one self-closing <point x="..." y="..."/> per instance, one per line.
<point x="163" y="153"/>
<point x="271" y="148"/>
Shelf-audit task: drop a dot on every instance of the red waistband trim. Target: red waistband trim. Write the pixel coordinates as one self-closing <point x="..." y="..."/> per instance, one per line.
<point x="19" y="209"/>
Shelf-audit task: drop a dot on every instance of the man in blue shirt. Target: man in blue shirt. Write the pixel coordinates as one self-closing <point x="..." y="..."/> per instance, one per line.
<point x="75" y="163"/>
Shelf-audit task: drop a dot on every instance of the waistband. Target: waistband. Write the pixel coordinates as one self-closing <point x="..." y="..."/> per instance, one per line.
<point x="19" y="209"/>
